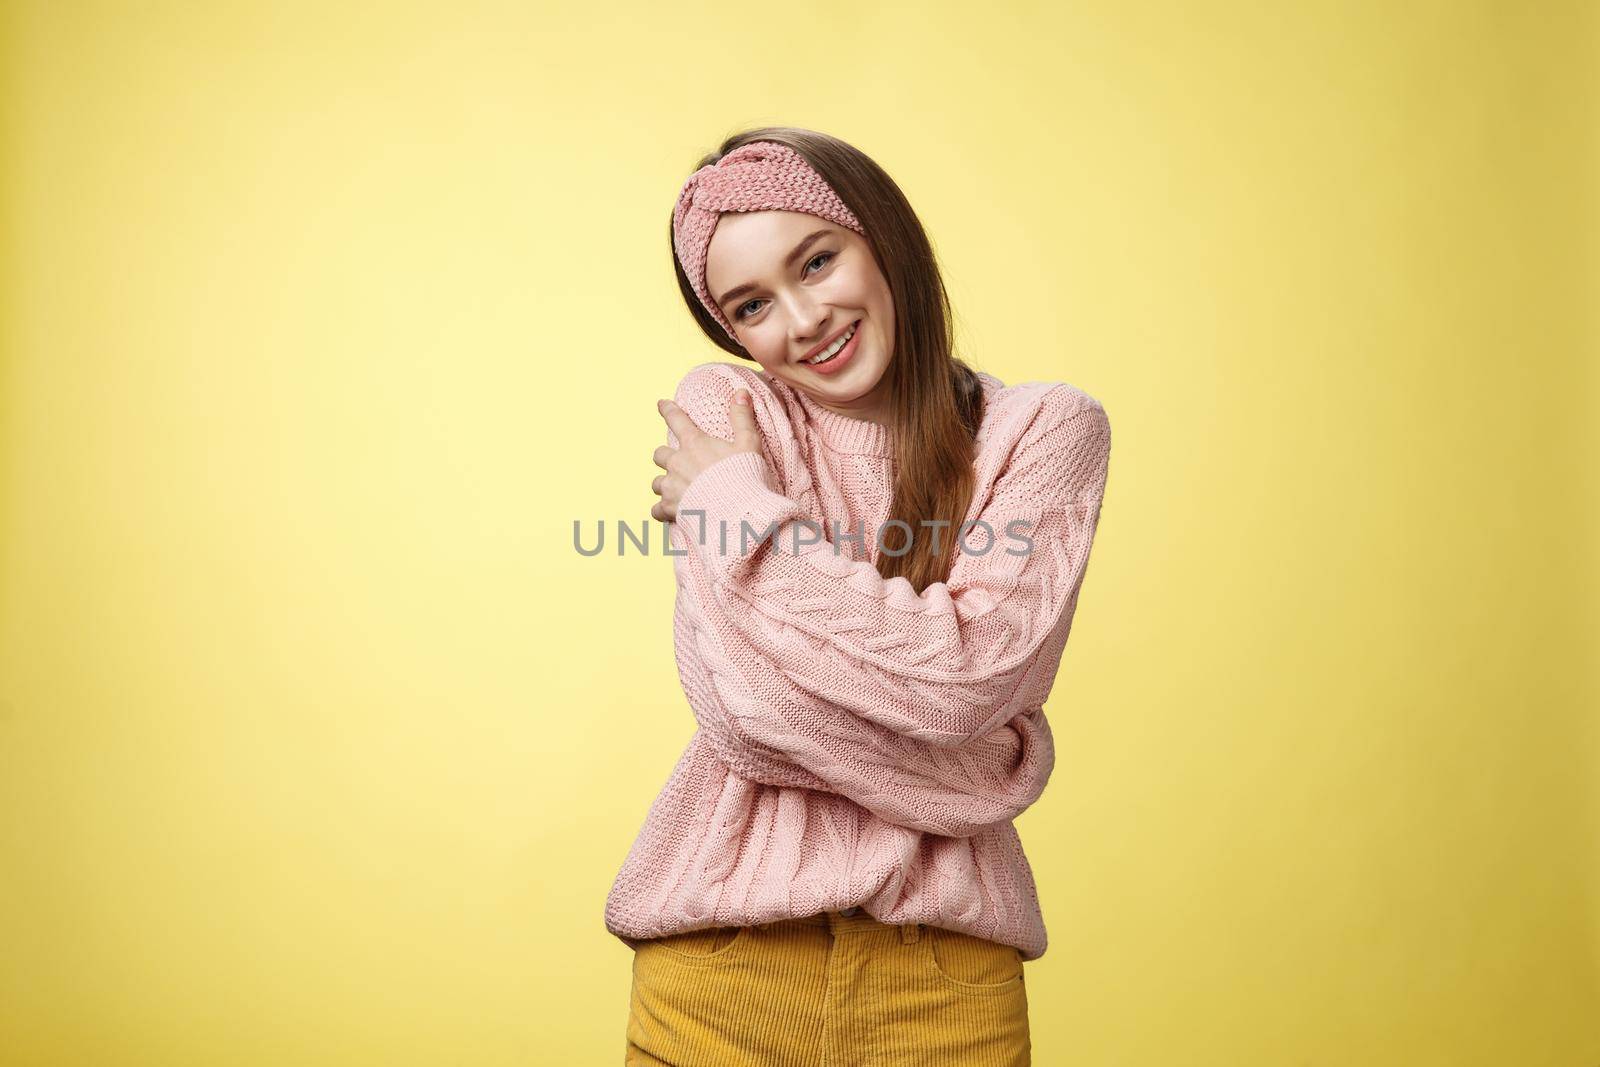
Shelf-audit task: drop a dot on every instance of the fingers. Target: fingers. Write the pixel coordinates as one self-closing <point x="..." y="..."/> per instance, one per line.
<point x="661" y="455"/>
<point x="661" y="511"/>
<point x="742" y="414"/>
<point x="678" y="419"/>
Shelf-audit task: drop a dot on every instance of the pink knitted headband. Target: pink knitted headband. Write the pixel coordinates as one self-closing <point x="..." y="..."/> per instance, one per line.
<point x="760" y="176"/>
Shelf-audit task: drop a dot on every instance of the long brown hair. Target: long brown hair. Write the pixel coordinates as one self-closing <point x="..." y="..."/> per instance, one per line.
<point x="935" y="399"/>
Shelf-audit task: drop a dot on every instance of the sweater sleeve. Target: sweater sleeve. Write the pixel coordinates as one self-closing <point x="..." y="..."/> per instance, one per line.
<point x="769" y="730"/>
<point x="949" y="666"/>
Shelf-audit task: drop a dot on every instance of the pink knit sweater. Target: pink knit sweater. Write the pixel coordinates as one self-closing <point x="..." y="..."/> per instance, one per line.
<point x="861" y="744"/>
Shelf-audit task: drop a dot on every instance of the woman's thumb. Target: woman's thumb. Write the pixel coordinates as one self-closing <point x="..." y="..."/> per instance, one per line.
<point x="744" y="418"/>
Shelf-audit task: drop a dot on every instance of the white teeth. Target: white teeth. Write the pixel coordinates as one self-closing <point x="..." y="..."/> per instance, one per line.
<point x="833" y="349"/>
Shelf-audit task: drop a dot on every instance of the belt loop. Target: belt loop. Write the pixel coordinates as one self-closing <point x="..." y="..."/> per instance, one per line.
<point x="909" y="932"/>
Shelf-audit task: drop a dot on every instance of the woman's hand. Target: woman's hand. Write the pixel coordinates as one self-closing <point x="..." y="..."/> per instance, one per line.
<point x="698" y="450"/>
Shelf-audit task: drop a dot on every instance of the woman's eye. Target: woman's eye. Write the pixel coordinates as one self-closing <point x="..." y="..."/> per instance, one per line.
<point x="743" y="310"/>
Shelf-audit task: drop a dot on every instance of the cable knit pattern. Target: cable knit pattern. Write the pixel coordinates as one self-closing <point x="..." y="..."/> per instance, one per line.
<point x="860" y="743"/>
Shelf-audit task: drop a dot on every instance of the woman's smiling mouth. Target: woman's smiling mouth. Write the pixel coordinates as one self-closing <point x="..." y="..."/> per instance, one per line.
<point x="838" y="353"/>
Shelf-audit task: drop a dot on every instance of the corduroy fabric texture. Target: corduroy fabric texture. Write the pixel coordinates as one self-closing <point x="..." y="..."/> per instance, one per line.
<point x="760" y="176"/>
<point x="860" y="743"/>
<point x="828" y="990"/>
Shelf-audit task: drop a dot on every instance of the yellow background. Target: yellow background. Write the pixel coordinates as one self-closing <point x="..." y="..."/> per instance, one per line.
<point x="320" y="744"/>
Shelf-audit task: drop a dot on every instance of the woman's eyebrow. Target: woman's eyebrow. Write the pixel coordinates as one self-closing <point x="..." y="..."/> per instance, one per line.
<point x="788" y="261"/>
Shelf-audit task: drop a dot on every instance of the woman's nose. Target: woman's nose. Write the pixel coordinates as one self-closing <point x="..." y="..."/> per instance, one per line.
<point x="805" y="319"/>
<point x="807" y="325"/>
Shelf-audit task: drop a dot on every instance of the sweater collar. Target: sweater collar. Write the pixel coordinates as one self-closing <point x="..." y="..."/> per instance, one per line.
<point x="862" y="437"/>
<point x="841" y="433"/>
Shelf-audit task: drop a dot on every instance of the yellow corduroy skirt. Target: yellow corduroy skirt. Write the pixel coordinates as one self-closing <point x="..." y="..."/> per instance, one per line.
<point x="834" y="989"/>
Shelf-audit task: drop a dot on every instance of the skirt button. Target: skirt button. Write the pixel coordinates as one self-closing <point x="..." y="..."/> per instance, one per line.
<point x="849" y="911"/>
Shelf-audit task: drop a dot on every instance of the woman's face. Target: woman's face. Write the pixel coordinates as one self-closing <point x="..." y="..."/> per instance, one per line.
<point x="791" y="284"/>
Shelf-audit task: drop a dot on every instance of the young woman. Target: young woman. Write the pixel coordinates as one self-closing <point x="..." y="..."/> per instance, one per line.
<point x="878" y="554"/>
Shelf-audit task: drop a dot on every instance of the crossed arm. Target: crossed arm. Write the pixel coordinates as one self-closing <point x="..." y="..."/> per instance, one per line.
<point x="925" y="708"/>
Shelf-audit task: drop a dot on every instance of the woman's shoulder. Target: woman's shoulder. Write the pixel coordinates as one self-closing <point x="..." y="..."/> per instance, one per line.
<point x="707" y="389"/>
<point x="1037" y="406"/>
<point x="1046" y="439"/>
<point x="723" y="378"/>
<point x="706" y="393"/>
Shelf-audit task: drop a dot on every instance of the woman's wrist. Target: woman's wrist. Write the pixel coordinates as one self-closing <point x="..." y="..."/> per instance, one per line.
<point x="731" y="507"/>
